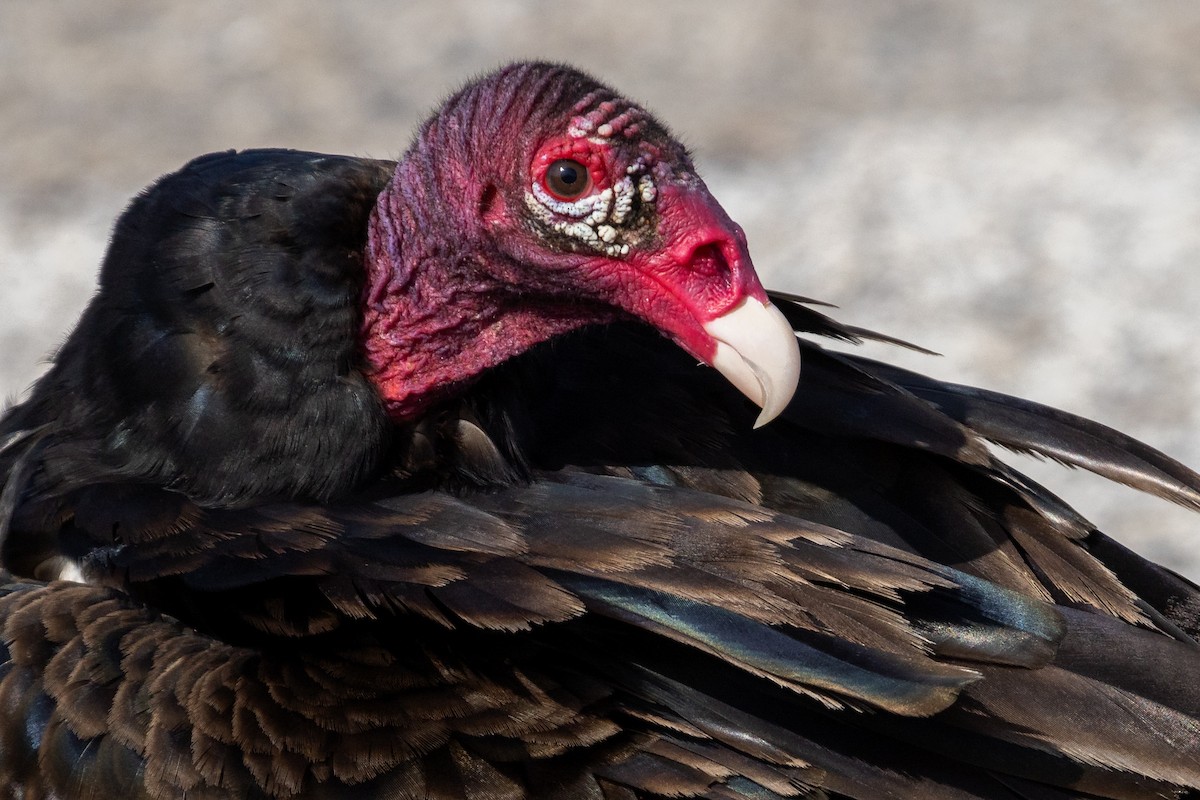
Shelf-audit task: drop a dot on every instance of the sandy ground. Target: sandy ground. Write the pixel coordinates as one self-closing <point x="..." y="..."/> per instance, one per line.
<point x="1014" y="185"/>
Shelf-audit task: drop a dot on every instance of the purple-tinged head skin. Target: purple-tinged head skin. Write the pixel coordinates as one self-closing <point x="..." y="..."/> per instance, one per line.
<point x="537" y="201"/>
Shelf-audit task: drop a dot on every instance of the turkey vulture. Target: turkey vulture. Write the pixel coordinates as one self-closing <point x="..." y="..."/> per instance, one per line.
<point x="401" y="480"/>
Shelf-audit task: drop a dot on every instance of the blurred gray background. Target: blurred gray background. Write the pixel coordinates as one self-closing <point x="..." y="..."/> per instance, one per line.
<point x="1014" y="185"/>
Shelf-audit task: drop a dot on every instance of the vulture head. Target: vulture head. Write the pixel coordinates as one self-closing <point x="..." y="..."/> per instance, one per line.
<point x="536" y="201"/>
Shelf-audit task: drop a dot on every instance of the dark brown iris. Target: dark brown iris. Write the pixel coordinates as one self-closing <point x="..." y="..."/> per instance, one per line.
<point x="567" y="179"/>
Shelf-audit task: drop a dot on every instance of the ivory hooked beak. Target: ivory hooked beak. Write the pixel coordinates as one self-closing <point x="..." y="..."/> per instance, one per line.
<point x="758" y="353"/>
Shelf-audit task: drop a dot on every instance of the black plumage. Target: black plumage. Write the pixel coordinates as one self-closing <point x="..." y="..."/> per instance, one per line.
<point x="583" y="574"/>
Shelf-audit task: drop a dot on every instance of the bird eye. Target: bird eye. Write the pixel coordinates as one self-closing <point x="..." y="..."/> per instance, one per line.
<point x="568" y="179"/>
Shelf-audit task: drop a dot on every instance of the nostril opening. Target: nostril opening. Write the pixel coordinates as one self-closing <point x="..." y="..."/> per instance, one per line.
<point x="709" y="261"/>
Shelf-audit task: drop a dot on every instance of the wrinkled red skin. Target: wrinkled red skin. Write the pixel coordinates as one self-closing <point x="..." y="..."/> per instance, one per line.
<point x="459" y="278"/>
<point x="700" y="271"/>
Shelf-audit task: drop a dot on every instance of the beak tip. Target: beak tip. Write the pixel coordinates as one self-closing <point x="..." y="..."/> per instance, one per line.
<point x="758" y="353"/>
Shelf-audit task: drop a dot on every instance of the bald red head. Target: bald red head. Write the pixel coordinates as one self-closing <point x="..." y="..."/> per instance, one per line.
<point x="536" y="201"/>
